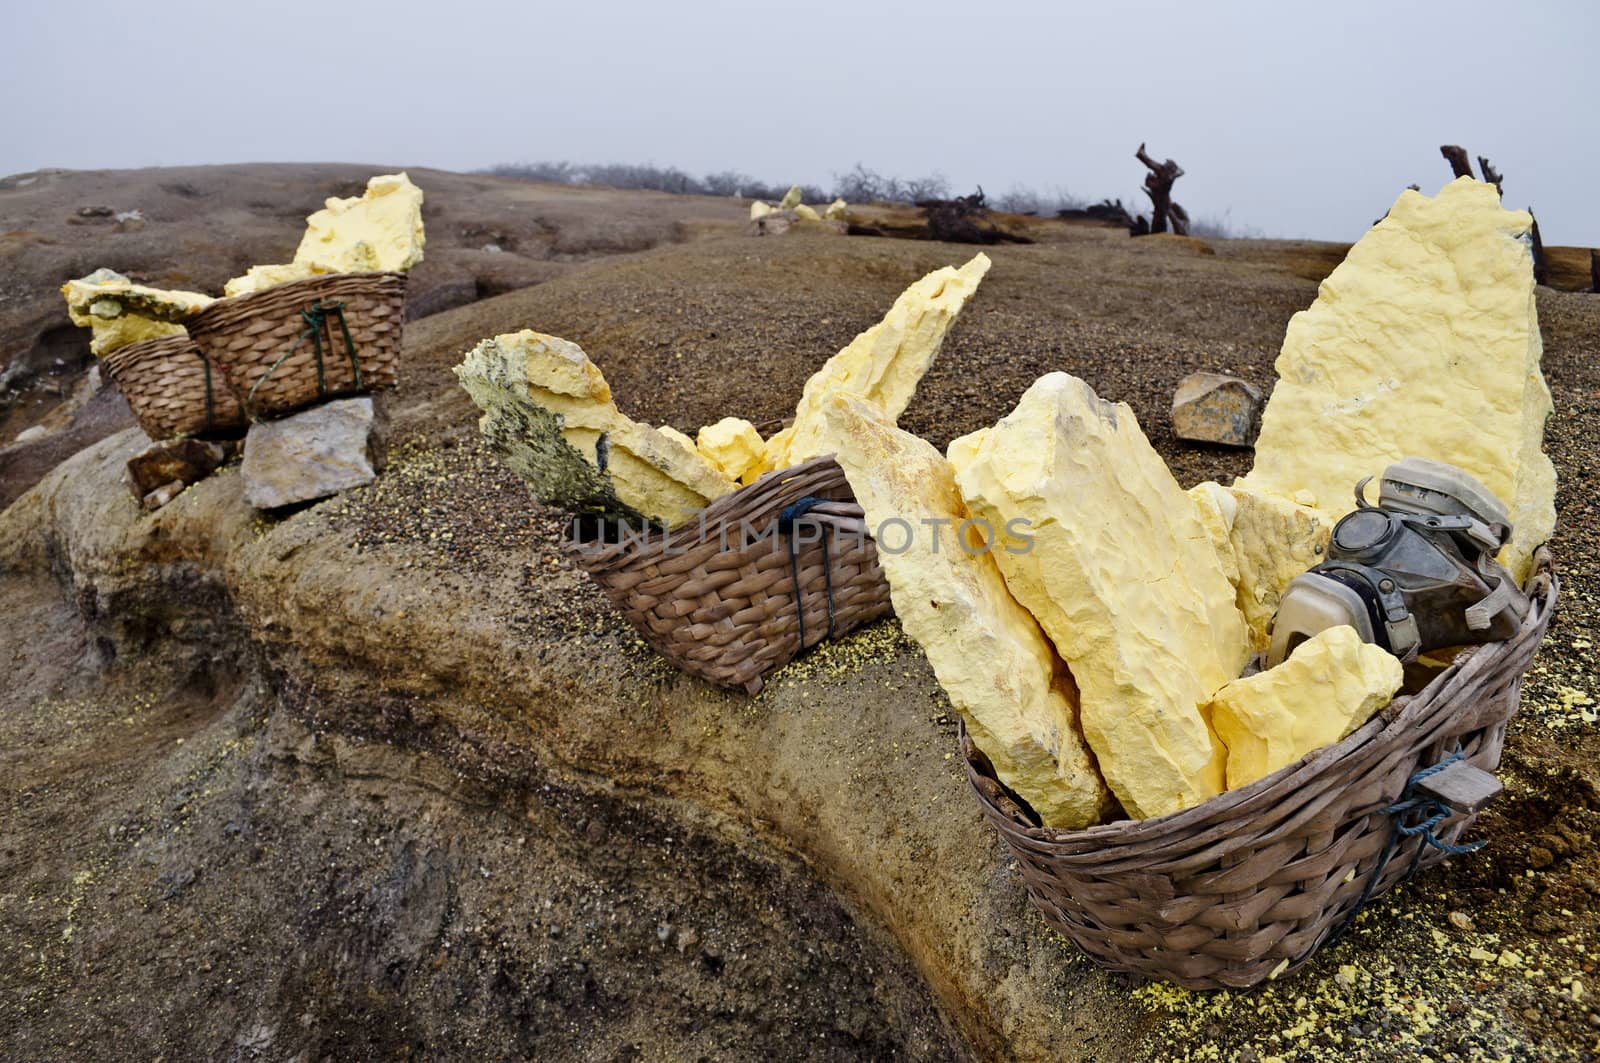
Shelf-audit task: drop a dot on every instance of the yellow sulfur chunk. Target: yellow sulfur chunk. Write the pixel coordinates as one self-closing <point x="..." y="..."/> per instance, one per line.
<point x="988" y="653"/>
<point x="1330" y="685"/>
<point x="1263" y="542"/>
<point x="257" y="278"/>
<point x="884" y="363"/>
<point x="805" y="213"/>
<point x="1425" y="341"/>
<point x="835" y="210"/>
<point x="1122" y="577"/>
<point x="119" y="312"/>
<point x="548" y="412"/>
<point x="672" y="433"/>
<point x="378" y="231"/>
<point x="759" y="210"/>
<point x="734" y="446"/>
<point x="791" y="198"/>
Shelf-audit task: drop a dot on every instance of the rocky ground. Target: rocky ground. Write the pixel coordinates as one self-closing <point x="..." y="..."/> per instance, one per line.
<point x="386" y="775"/>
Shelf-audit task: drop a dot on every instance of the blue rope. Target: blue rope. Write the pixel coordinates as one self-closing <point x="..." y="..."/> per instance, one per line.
<point x="1434" y="813"/>
<point x="786" y="521"/>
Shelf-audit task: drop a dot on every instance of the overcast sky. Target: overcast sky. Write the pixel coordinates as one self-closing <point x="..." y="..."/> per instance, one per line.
<point x="1293" y="119"/>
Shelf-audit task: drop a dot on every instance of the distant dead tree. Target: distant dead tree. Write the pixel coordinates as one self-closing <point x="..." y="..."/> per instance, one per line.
<point x="1456" y="156"/>
<point x="1158" y="186"/>
<point x="1110" y="211"/>
<point x="964" y="220"/>
<point x="1541" y="268"/>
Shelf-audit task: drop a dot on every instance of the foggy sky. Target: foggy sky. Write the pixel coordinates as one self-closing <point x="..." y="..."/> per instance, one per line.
<point x="1291" y="119"/>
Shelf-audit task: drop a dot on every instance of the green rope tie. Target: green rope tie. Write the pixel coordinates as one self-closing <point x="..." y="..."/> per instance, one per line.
<point x="210" y="401"/>
<point x="316" y="319"/>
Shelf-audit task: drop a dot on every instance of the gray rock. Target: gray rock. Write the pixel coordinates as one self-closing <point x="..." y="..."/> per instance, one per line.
<point x="1214" y="408"/>
<point x="28" y="435"/>
<point x="311" y="454"/>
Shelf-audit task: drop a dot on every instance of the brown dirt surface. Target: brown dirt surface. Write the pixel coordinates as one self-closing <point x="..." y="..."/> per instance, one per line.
<point x="383" y="693"/>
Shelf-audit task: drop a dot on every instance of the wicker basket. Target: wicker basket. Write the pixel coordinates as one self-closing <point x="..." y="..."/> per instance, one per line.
<point x="172" y="388"/>
<point x="720" y="603"/>
<point x="1248" y="885"/>
<point x="295" y="344"/>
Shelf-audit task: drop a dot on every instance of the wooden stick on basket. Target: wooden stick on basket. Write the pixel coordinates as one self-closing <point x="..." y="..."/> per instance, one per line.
<point x="1248" y="885"/>
<point x="717" y="596"/>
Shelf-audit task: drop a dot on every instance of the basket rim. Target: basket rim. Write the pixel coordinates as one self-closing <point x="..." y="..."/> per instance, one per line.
<point x="1402" y="713"/>
<point x="760" y="498"/>
<point x="224" y="311"/>
<point x="127" y="355"/>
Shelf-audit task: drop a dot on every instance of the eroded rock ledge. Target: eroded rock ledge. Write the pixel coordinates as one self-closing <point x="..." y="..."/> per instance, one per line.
<point x="512" y="668"/>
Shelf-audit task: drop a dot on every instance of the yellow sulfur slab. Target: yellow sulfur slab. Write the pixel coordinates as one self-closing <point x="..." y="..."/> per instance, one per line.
<point x="548" y="412"/>
<point x="257" y="278"/>
<point x="734" y="446"/>
<point x="377" y="231"/>
<point x="1425" y="341"/>
<point x="987" y="652"/>
<point x="1330" y="685"/>
<point x="884" y="363"/>
<point x="119" y="312"/>
<point x="1122" y="577"/>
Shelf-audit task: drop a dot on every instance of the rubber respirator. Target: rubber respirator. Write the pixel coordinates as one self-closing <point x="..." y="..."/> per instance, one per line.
<point x="1413" y="573"/>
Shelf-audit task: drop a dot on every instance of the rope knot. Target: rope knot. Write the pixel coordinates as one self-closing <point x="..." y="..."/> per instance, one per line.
<point x="316" y="318"/>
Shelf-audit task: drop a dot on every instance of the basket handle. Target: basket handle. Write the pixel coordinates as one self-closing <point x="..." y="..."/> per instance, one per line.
<point x="316" y="318"/>
<point x="786" y="522"/>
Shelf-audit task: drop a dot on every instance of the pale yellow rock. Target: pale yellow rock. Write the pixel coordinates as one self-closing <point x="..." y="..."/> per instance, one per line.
<point x="1331" y="684"/>
<point x="791" y="198"/>
<point x="548" y="412"/>
<point x="1425" y="341"/>
<point x="1263" y="542"/>
<point x="378" y="231"/>
<point x="672" y="433"/>
<point x="805" y="213"/>
<point x="884" y="363"/>
<point x="258" y="278"/>
<point x="987" y="652"/>
<point x="119" y="312"/>
<point x="734" y="446"/>
<point x="835" y="210"/>
<point x="759" y="210"/>
<point x="1123" y="578"/>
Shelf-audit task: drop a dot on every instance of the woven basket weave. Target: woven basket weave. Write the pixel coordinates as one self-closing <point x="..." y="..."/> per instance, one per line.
<point x="1248" y="885"/>
<point x="722" y="605"/>
<point x="172" y="388"/>
<point x="286" y="347"/>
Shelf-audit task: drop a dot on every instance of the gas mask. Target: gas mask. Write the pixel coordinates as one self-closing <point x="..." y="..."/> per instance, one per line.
<point x="1414" y="573"/>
